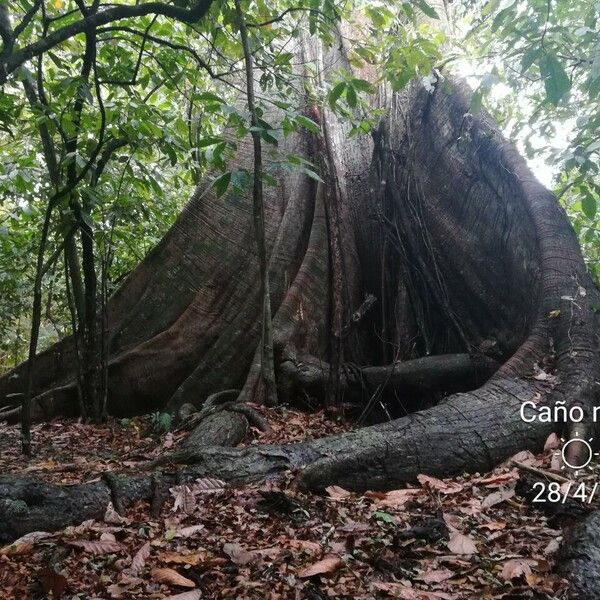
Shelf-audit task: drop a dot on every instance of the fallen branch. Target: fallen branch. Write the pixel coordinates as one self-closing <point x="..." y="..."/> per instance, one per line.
<point x="540" y="472"/>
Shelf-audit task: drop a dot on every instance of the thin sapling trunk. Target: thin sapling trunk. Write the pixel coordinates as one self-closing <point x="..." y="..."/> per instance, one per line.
<point x="267" y="359"/>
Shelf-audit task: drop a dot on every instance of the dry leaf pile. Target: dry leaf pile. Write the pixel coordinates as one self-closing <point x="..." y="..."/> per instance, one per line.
<point x="466" y="537"/>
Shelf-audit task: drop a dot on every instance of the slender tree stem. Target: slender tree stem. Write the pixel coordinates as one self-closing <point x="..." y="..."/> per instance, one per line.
<point x="267" y="359"/>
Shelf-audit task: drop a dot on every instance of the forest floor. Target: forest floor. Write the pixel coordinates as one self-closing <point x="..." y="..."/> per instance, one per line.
<point x="466" y="537"/>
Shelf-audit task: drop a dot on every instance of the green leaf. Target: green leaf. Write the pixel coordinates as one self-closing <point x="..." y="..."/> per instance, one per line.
<point x="426" y="8"/>
<point x="351" y="96"/>
<point x="87" y="219"/>
<point x="240" y="179"/>
<point x="362" y="85"/>
<point x="490" y="7"/>
<point x="593" y="147"/>
<point x="209" y="141"/>
<point x="596" y="63"/>
<point x="270" y="139"/>
<point x="210" y="97"/>
<point x="501" y="17"/>
<point x="380" y="515"/>
<point x="556" y="80"/>
<point x="408" y="11"/>
<point x="335" y="93"/>
<point x="284" y="58"/>
<point x="530" y="57"/>
<point x="269" y="179"/>
<point x="164" y="421"/>
<point x="589" y="206"/>
<point x="56" y="59"/>
<point x="312" y="174"/>
<point x="365" y="53"/>
<point x="594" y="88"/>
<point x="476" y="101"/>
<point x="84" y="92"/>
<point x="308" y="123"/>
<point x="171" y="153"/>
<point x="222" y="183"/>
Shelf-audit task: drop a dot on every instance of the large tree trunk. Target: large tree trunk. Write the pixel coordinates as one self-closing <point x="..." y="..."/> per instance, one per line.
<point x="439" y="218"/>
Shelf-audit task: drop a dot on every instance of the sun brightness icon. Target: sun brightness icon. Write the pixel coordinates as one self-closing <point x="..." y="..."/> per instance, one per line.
<point x="586" y="455"/>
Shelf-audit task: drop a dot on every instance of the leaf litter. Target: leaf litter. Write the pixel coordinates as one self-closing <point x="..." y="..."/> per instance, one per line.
<point x="454" y="538"/>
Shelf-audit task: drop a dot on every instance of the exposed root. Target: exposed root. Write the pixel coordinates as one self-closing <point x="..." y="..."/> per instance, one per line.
<point x="447" y="373"/>
<point x="579" y="559"/>
<point x="10" y="414"/>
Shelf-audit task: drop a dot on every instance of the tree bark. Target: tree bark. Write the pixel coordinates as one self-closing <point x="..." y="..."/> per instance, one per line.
<point x="579" y="559"/>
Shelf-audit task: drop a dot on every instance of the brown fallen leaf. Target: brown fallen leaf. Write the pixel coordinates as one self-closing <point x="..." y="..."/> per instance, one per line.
<point x="47" y="465"/>
<point x="117" y="591"/>
<point x="25" y="544"/>
<point x="171" y="577"/>
<point x="436" y="576"/>
<point x="184" y="499"/>
<point x="552" y="443"/>
<point x="17" y="549"/>
<point x="399" y="498"/>
<point x="461" y="544"/>
<point x="305" y="545"/>
<point x="498" y="480"/>
<point x="112" y="517"/>
<point x="525" y="457"/>
<point x="183" y="559"/>
<point x="97" y="548"/>
<point x="493" y="525"/>
<point x="125" y="586"/>
<point x="375" y="495"/>
<point x="52" y="582"/>
<point x="445" y="487"/>
<point x="335" y="492"/>
<point x="139" y="560"/>
<point x="81" y="528"/>
<point x="272" y="552"/>
<point x="498" y="497"/>
<point x="326" y="566"/>
<point x="191" y="595"/>
<point x="400" y="590"/>
<point x="238" y="554"/>
<point x="556" y="462"/>
<point x="186" y="532"/>
<point x="515" y="568"/>
<point x="553" y="546"/>
<point x="208" y="485"/>
<point x="351" y="526"/>
<point x="452" y="521"/>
